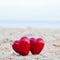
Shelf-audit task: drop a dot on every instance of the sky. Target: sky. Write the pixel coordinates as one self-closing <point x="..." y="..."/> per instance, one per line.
<point x="36" y="10"/>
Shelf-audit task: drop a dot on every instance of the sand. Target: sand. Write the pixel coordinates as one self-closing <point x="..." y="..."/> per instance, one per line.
<point x="51" y="49"/>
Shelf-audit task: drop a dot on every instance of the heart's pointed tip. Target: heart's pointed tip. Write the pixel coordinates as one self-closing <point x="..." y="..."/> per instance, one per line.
<point x="23" y="54"/>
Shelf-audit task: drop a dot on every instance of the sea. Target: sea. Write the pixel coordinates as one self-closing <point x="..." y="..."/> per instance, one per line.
<point x="32" y="24"/>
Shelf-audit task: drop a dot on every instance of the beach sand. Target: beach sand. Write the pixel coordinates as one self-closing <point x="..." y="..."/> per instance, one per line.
<point x="51" y="38"/>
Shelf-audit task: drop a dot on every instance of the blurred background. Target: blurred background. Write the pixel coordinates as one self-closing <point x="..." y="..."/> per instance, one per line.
<point x="30" y="13"/>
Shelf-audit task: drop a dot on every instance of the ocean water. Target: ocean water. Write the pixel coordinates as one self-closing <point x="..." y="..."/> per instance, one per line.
<point x="33" y="24"/>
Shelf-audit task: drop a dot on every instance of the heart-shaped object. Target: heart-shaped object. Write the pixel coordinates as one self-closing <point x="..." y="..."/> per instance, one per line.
<point x="36" y="45"/>
<point x="22" y="46"/>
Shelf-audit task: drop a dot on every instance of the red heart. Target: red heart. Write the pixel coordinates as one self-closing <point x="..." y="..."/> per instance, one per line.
<point x="36" y="45"/>
<point x="22" y="46"/>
